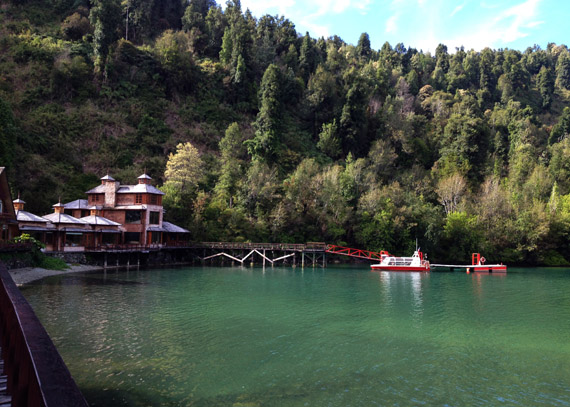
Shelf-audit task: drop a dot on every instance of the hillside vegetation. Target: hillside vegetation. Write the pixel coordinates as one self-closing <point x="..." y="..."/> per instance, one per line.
<point x="291" y="138"/>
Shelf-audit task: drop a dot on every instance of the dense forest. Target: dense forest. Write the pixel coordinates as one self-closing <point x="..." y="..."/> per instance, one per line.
<point x="259" y="133"/>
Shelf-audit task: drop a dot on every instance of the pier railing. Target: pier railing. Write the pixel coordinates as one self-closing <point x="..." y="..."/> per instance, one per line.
<point x="37" y="375"/>
<point x="311" y="246"/>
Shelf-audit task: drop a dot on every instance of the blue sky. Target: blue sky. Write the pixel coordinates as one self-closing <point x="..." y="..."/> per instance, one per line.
<point x="423" y="24"/>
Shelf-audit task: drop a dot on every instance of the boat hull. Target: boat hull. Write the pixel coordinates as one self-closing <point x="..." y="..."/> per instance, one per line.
<point x="421" y="269"/>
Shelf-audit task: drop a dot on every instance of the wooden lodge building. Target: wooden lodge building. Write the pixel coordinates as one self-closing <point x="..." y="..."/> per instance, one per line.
<point x="113" y="214"/>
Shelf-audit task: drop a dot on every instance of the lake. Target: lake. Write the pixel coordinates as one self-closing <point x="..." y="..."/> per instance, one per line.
<point x="340" y="336"/>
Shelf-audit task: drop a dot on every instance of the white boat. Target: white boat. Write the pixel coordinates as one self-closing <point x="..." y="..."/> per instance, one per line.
<point x="415" y="263"/>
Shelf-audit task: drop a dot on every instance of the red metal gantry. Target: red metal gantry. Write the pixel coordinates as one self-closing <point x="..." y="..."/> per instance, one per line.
<point x="361" y="254"/>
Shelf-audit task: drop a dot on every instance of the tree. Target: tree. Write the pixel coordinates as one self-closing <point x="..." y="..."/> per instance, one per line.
<point x="231" y="146"/>
<point x="563" y="70"/>
<point x="545" y="82"/>
<point x="76" y="25"/>
<point x="184" y="169"/>
<point x="7" y="134"/>
<point x="105" y="17"/>
<point x="461" y="236"/>
<point x="173" y="51"/>
<point x="363" y="49"/>
<point x="215" y="27"/>
<point x="329" y="142"/>
<point x="265" y="145"/>
<point x="307" y="57"/>
<point x="465" y="144"/>
<point x="561" y="130"/>
<point x="442" y="58"/>
<point x="194" y="20"/>
<point x="450" y="191"/>
<point x="353" y="119"/>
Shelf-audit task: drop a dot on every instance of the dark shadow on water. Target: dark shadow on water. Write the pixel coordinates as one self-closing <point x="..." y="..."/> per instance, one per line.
<point x="78" y="279"/>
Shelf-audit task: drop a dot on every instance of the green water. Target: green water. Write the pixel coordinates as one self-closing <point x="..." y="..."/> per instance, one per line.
<point x="318" y="337"/>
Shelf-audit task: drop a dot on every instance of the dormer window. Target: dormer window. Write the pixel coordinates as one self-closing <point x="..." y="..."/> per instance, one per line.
<point x="138" y="198"/>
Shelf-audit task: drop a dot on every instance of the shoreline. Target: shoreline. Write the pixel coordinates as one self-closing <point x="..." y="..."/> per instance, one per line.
<point x="29" y="274"/>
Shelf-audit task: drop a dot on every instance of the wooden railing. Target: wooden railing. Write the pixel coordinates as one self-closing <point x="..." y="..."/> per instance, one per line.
<point x="122" y="247"/>
<point x="312" y="246"/>
<point x="261" y="246"/>
<point x="37" y="375"/>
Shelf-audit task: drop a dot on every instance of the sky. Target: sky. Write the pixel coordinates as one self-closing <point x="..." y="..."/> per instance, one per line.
<point x="423" y="24"/>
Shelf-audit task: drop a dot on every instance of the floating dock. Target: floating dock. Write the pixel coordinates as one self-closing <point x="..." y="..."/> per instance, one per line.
<point x="477" y="266"/>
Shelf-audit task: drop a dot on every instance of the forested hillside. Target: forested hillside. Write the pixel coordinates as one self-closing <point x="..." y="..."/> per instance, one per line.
<point x="293" y="138"/>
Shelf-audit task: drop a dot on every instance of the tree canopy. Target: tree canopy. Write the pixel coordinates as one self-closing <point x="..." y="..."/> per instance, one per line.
<point x="258" y="132"/>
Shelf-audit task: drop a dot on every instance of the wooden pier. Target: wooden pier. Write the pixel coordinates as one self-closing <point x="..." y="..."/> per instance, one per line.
<point x="308" y="254"/>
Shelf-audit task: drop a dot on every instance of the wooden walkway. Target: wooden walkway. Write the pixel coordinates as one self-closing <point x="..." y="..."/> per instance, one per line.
<point x="5" y="398"/>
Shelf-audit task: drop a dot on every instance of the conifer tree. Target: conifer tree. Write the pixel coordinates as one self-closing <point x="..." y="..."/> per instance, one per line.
<point x="105" y="17"/>
<point x="265" y="145"/>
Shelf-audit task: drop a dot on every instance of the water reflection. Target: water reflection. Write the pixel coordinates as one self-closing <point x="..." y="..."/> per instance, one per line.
<point x="396" y="286"/>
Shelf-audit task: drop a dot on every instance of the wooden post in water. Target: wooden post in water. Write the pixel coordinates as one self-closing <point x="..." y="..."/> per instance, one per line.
<point x="263" y="258"/>
<point x="105" y="262"/>
<point x="324" y="260"/>
<point x="303" y="259"/>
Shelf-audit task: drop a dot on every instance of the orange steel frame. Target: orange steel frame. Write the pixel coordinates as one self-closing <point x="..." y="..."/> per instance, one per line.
<point x="362" y="254"/>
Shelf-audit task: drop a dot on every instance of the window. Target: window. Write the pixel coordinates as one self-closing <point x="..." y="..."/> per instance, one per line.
<point x="132" y="237"/>
<point x="133" y="217"/>
<point x="154" y="218"/>
<point x="1" y="207"/>
<point x="138" y="198"/>
<point x="155" y="237"/>
<point x="73" y="239"/>
<point x="154" y="200"/>
<point x="109" y="238"/>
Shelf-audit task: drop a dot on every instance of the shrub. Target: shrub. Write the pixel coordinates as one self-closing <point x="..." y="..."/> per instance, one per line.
<point x="76" y="26"/>
<point x="53" y="263"/>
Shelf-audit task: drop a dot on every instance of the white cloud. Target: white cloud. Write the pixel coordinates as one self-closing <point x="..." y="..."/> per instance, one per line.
<point x="507" y="27"/>
<point x="262" y="7"/>
<point x="488" y="6"/>
<point x="457" y="9"/>
<point x="392" y="24"/>
<point x="316" y="30"/>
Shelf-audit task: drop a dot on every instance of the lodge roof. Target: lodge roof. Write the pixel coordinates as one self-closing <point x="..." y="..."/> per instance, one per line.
<point x="139" y="188"/>
<point x="77" y="204"/>
<point x="63" y="218"/>
<point x="25" y="216"/>
<point x="172" y="228"/>
<point x="129" y="189"/>
<point x="98" y="220"/>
